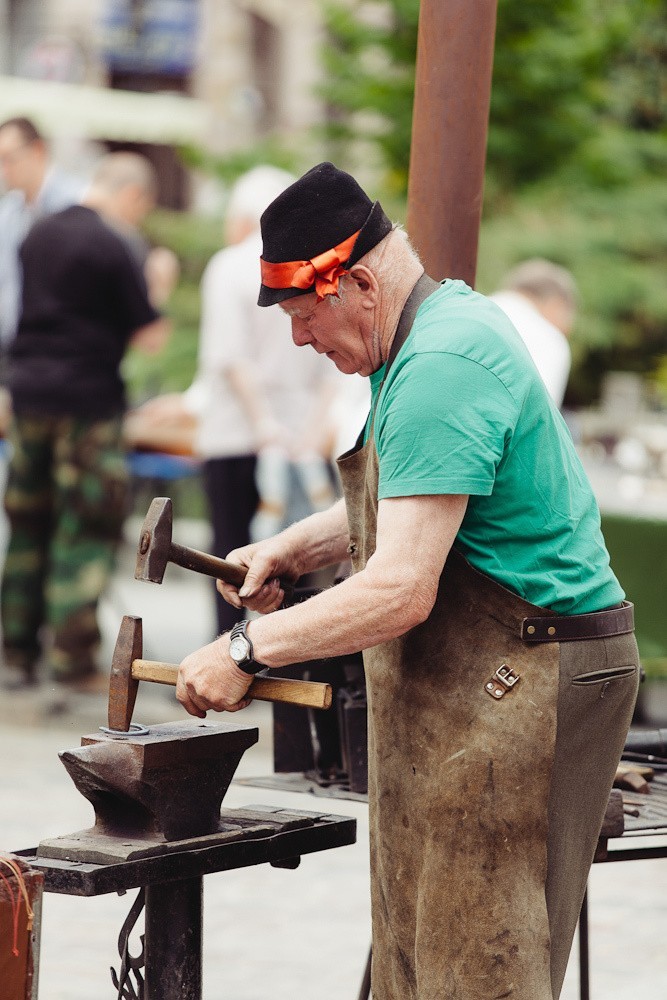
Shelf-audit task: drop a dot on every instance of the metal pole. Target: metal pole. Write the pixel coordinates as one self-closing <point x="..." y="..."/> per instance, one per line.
<point x="449" y="127"/>
<point x="174" y="940"/>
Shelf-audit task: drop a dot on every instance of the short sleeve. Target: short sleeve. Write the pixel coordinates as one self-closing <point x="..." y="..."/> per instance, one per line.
<point x="442" y="427"/>
<point x="132" y="294"/>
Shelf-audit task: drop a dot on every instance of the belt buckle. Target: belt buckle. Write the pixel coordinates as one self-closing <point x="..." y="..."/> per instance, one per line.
<point x="503" y="680"/>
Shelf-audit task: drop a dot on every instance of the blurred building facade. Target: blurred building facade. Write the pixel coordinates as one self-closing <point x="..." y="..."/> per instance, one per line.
<point x="155" y="74"/>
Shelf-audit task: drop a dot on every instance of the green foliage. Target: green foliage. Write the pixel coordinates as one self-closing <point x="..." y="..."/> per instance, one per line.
<point x="194" y="239"/>
<point x="173" y="369"/>
<point x="546" y="53"/>
<point x="635" y="94"/>
<point x="369" y="79"/>
<point x="369" y="86"/>
<point x="230" y="167"/>
<point x="577" y="153"/>
<point x="577" y="150"/>
<point x="563" y="69"/>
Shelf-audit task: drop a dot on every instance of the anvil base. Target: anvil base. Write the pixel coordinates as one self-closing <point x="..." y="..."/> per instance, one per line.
<point x="93" y="846"/>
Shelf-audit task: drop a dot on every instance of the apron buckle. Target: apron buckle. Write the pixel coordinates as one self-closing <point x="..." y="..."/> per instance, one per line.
<point x="502" y="681"/>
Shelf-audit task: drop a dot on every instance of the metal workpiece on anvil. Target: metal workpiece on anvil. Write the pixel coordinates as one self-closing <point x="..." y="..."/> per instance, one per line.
<point x="151" y="789"/>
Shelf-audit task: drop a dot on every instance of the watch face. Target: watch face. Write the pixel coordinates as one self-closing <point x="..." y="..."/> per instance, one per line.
<point x="239" y="649"/>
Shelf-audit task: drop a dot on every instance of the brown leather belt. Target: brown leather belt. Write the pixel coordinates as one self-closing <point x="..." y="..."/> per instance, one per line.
<point x="568" y="628"/>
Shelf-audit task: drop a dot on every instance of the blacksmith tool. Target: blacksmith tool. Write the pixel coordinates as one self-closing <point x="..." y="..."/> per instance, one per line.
<point x="128" y="668"/>
<point x="156" y="549"/>
<point x="152" y="788"/>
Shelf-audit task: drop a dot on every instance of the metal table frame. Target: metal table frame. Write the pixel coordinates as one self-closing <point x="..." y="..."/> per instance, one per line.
<point x="172" y="891"/>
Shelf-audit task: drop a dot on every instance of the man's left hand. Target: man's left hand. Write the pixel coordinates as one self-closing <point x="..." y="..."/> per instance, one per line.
<point x="209" y="679"/>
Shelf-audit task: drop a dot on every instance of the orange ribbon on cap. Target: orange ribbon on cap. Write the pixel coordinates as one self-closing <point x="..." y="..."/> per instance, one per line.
<point x="323" y="271"/>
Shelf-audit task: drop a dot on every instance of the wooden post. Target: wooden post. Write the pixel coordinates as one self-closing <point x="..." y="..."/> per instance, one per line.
<point x="449" y="128"/>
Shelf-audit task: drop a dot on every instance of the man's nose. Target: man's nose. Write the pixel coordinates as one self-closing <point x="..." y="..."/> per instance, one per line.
<point x="300" y="333"/>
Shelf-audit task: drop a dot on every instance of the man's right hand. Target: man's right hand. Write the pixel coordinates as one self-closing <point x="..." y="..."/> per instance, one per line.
<point x="266" y="563"/>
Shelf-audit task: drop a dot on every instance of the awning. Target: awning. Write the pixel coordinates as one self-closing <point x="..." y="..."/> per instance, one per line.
<point x="67" y="109"/>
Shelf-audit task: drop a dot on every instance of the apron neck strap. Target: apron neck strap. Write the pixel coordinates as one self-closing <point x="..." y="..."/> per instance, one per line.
<point x="424" y="287"/>
<point x="421" y="290"/>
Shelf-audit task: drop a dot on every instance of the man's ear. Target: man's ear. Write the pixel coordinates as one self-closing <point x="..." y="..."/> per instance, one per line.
<point x="367" y="284"/>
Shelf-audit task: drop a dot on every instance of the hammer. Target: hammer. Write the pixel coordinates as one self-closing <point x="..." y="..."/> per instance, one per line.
<point x="128" y="668"/>
<point x="156" y="549"/>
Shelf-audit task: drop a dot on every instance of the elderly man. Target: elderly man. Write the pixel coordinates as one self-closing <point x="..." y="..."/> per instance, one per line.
<point x="500" y="661"/>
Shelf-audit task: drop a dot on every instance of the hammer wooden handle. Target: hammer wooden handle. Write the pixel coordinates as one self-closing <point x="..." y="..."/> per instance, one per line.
<point x="203" y="562"/>
<point x="220" y="569"/>
<point x="310" y="694"/>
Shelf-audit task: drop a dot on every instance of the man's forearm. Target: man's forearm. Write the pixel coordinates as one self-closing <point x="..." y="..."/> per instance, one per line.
<point x="395" y="591"/>
<point x="362" y="611"/>
<point x="319" y="540"/>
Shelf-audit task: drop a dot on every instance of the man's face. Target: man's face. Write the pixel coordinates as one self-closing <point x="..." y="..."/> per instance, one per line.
<point x="335" y="328"/>
<point x="22" y="164"/>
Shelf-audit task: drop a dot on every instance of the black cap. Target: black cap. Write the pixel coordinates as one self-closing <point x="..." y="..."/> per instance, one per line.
<point x="322" y="209"/>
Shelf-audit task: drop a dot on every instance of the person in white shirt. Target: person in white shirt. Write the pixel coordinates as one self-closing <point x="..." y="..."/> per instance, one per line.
<point x="259" y="404"/>
<point x="540" y="298"/>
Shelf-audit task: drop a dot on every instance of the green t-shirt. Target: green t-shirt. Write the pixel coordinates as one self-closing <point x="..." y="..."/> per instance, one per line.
<point x="463" y="410"/>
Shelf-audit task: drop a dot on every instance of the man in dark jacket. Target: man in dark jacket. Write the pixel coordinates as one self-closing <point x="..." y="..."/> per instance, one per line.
<point x="84" y="300"/>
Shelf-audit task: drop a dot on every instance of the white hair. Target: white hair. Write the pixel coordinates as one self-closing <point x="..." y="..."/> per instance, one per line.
<point x="254" y="192"/>
<point x="388" y="258"/>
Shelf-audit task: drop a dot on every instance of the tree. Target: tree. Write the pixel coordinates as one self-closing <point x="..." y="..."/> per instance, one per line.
<point x="561" y="68"/>
<point x="577" y="152"/>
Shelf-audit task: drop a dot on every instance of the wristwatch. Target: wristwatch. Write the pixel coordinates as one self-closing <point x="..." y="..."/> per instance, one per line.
<point x="240" y="649"/>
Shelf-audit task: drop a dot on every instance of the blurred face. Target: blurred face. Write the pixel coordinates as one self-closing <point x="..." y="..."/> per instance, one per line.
<point x="22" y="164"/>
<point x="132" y="203"/>
<point x="335" y="328"/>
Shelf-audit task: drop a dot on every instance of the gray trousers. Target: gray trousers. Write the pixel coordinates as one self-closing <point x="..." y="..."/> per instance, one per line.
<point x="595" y="705"/>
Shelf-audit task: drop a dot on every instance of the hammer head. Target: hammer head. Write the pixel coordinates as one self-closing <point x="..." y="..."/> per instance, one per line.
<point x="122" y="686"/>
<point x="154" y="541"/>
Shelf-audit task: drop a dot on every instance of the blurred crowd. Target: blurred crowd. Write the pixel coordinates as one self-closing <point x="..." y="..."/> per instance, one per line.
<point x="79" y="284"/>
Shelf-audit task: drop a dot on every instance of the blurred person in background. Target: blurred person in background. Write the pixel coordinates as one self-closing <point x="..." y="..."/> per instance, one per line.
<point x="540" y="298"/>
<point x="259" y="414"/>
<point x="34" y="188"/>
<point x="84" y="301"/>
<point x="159" y="264"/>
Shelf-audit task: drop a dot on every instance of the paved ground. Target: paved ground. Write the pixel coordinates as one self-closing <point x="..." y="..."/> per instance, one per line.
<point x="268" y="932"/>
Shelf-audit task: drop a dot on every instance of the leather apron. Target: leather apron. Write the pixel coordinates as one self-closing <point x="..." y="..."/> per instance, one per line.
<point x="459" y="787"/>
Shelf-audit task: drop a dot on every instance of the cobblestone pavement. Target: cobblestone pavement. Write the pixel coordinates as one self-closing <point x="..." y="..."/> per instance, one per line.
<point x="267" y="932"/>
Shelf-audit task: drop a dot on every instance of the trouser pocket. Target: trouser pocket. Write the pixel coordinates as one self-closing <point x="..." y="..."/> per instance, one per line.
<point x="605" y="676"/>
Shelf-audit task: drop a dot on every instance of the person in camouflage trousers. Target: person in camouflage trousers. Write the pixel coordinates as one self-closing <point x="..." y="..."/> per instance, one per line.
<point x="84" y="301"/>
<point x="65" y="534"/>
